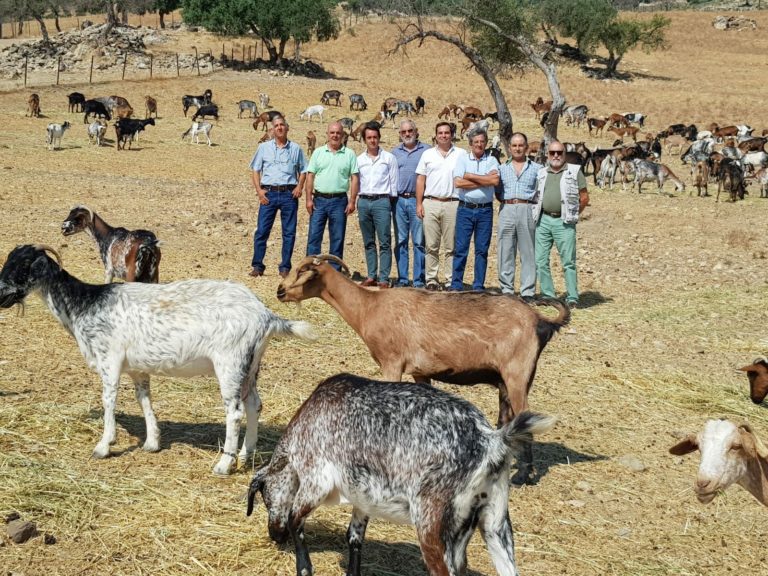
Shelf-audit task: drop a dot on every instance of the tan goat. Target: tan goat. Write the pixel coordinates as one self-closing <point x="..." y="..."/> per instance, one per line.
<point x="150" y="105"/>
<point x="454" y="337"/>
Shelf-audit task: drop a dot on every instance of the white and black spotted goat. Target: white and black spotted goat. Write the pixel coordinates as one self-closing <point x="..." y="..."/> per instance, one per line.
<point x="54" y="134"/>
<point x="131" y="255"/>
<point x="408" y="453"/>
<point x="196" y="129"/>
<point x="187" y="328"/>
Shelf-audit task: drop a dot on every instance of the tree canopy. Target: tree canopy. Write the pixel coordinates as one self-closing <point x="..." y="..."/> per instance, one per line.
<point x="273" y="21"/>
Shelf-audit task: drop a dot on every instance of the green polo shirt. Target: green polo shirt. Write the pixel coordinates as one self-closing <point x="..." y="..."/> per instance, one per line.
<point x="551" y="202"/>
<point x="332" y="169"/>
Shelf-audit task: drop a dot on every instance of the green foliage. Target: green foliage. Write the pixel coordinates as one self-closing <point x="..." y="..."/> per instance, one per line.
<point x="582" y="20"/>
<point x="166" y="6"/>
<point x="620" y="36"/>
<point x="516" y="17"/>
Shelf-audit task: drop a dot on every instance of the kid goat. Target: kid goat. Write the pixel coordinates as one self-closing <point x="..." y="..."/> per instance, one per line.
<point x="187" y="328"/>
<point x="454" y="337"/>
<point x="409" y="453"/>
<point x="131" y="255"/>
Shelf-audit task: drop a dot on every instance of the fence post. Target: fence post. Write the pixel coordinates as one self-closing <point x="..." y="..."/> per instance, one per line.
<point x="177" y="64"/>
<point x="26" y="63"/>
<point x="151" y="64"/>
<point x="125" y="62"/>
<point x="232" y="52"/>
<point x="197" y="61"/>
<point x="58" y="69"/>
<point x="90" y="77"/>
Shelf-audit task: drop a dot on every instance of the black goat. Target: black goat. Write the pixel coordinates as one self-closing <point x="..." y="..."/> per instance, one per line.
<point x="96" y="108"/>
<point x="197" y="101"/>
<point x="126" y="129"/>
<point x="76" y="100"/>
<point x="207" y="110"/>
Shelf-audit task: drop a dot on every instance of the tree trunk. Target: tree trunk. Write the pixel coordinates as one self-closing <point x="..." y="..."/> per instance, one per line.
<point x="124" y="15"/>
<point x="111" y="19"/>
<point x="57" y="23"/>
<point x="161" y="15"/>
<point x="613" y="63"/>
<point x="297" y="51"/>
<point x="281" y="49"/>
<point x="21" y="27"/>
<point x="43" y="29"/>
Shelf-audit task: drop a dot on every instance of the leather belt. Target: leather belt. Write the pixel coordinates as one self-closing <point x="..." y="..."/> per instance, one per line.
<point x="372" y="196"/>
<point x="281" y="188"/>
<point x="552" y="214"/>
<point x="441" y="199"/>
<point x="473" y="206"/>
<point x="329" y="196"/>
<point x="517" y="201"/>
<point x="407" y="195"/>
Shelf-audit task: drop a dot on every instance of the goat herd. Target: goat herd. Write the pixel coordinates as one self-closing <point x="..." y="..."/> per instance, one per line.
<point x="408" y="453"/>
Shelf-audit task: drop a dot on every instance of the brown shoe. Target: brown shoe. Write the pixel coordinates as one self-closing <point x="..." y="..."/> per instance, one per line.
<point x="383" y="285"/>
<point x="283" y="273"/>
<point x="368" y="282"/>
<point x="255" y="272"/>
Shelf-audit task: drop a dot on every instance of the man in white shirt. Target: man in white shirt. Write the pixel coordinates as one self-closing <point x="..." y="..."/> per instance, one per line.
<point x="378" y="188"/>
<point x="436" y="204"/>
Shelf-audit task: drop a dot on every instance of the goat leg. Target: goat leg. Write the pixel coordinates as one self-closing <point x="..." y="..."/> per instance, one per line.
<point x="110" y="384"/>
<point x="144" y="398"/>
<point x="355" y="537"/>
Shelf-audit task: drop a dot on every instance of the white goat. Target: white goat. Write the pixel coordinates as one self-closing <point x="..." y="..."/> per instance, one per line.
<point x="316" y="110"/>
<point x="409" y="453"/>
<point x="187" y="328"/>
<point x="55" y="134"/>
<point x="96" y="132"/>
<point x="264" y="100"/>
<point x="196" y="129"/>
<point x="730" y="454"/>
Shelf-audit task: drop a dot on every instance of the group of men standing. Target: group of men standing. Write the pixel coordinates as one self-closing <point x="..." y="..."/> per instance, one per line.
<point x="440" y="199"/>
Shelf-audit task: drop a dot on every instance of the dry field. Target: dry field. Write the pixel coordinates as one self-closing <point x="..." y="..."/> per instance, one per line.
<point x="675" y="289"/>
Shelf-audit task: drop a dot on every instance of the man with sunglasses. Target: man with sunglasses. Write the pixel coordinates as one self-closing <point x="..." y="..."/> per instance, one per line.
<point x="279" y="171"/>
<point x="563" y="195"/>
<point x="408" y="153"/>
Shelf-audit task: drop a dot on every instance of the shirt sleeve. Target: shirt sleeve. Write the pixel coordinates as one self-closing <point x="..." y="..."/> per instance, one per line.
<point x="257" y="162"/>
<point x="353" y="167"/>
<point x="301" y="161"/>
<point x="581" y="180"/>
<point x="394" y="175"/>
<point x="312" y="166"/>
<point x="421" y="169"/>
<point x="493" y="164"/>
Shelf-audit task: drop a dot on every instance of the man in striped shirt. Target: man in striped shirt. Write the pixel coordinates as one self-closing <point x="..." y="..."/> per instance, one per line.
<point x="516" y="228"/>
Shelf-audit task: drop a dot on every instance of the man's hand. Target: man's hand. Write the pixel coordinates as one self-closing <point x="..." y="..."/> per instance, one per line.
<point x="310" y="204"/>
<point x="297" y="192"/>
<point x="350" y="209"/>
<point x="263" y="200"/>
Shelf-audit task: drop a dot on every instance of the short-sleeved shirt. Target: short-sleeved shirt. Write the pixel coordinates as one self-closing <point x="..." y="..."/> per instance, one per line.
<point x="482" y="167"/>
<point x="279" y="166"/>
<point x="378" y="176"/>
<point x="522" y="187"/>
<point x="439" y="171"/>
<point x="332" y="170"/>
<point x="407" y="161"/>
<point x="552" y="200"/>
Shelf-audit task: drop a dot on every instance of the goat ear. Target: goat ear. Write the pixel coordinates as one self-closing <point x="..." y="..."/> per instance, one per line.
<point x="750" y="368"/>
<point x="690" y="444"/>
<point x="257" y="485"/>
<point x="751" y="443"/>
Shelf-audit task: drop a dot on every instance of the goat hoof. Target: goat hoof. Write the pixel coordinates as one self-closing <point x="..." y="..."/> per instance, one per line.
<point x="153" y="446"/>
<point x="521" y="478"/>
<point x="224" y="468"/>
<point x="100" y="452"/>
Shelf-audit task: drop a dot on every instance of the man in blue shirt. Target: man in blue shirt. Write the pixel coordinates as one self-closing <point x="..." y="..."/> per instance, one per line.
<point x="475" y="177"/>
<point x="279" y="170"/>
<point x="408" y="154"/>
<point x="517" y="228"/>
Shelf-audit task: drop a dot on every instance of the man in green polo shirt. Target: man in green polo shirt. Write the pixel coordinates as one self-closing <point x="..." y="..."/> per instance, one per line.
<point x="331" y="172"/>
<point x="562" y="197"/>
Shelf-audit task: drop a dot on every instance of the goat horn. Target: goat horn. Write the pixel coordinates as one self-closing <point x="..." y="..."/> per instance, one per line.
<point x="46" y="248"/>
<point x="330" y="258"/>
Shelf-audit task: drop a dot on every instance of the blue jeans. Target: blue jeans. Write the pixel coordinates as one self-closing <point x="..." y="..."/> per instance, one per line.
<point x="331" y="211"/>
<point x="287" y="205"/>
<point x="375" y="223"/>
<point x="407" y="222"/>
<point x="469" y="222"/>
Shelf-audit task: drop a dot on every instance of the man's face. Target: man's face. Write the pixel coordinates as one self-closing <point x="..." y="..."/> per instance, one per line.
<point x="408" y="135"/>
<point x="556" y="155"/>
<point x="335" y="132"/>
<point x="518" y="148"/>
<point x="280" y="129"/>
<point x="372" y="140"/>
<point x="443" y="136"/>
<point x="478" y="145"/>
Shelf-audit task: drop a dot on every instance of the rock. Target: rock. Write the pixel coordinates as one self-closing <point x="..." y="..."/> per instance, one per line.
<point x="576" y="503"/>
<point x="624" y="532"/>
<point x="584" y="486"/>
<point x="19" y="531"/>
<point x="632" y="462"/>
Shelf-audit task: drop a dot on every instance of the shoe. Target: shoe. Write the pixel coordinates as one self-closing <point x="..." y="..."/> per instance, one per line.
<point x="529" y="299"/>
<point x="383" y="285"/>
<point x="402" y="285"/>
<point x="573" y="304"/>
<point x="255" y="272"/>
<point x="432" y="286"/>
<point x="284" y="273"/>
<point x="368" y="282"/>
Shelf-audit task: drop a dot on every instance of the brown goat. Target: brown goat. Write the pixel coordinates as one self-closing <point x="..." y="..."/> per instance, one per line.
<point x="33" y="106"/>
<point x="617" y="120"/>
<point x="725" y="131"/>
<point x="757" y="372"/>
<point x="150" y="105"/>
<point x="756" y="144"/>
<point x="459" y="338"/>
<point x="540" y="107"/>
<point x="629" y="130"/>
<point x="445" y="113"/>
<point x="700" y="177"/>
<point x="262" y="118"/>
<point x="472" y="112"/>
<point x="311" y="142"/>
<point x="596" y="124"/>
<point x="123" y="111"/>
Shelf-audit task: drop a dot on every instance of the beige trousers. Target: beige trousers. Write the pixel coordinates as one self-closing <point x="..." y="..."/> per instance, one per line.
<point x="439" y="234"/>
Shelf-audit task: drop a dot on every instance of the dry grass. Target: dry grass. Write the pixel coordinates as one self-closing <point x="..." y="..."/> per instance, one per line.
<point x="675" y="287"/>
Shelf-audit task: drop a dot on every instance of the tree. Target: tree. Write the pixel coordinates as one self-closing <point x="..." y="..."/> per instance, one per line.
<point x="164" y="7"/>
<point x="273" y="21"/>
<point x="582" y="20"/>
<point x="620" y="36"/>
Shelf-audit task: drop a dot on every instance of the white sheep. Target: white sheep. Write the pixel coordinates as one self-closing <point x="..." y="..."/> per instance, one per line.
<point x="730" y="454"/>
<point x="187" y="328"/>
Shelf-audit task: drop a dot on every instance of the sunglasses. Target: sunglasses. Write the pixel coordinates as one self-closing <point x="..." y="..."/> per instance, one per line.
<point x="556" y="152"/>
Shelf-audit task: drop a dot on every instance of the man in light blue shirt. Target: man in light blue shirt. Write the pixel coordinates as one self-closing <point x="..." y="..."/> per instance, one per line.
<point x="279" y="170"/>
<point x="475" y="177"/>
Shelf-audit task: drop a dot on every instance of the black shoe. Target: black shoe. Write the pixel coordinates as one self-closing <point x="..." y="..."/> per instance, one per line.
<point x="529" y="299"/>
<point x="573" y="304"/>
<point x="432" y="286"/>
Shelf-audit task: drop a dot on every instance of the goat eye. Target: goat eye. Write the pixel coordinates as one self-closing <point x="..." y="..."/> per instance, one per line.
<point x="735" y="447"/>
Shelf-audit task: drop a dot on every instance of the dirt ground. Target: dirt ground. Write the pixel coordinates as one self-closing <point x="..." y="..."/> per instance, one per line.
<point x="674" y="287"/>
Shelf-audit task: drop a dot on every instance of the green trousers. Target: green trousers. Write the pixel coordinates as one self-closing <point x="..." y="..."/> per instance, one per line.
<point x="550" y="231"/>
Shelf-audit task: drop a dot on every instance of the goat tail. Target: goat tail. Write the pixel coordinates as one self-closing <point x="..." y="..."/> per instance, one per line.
<point x="547" y="327"/>
<point x="295" y="328"/>
<point x="148" y="261"/>
<point x="186" y="133"/>
<point x="521" y="430"/>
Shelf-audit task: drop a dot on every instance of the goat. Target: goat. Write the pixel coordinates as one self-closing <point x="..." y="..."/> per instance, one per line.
<point x="701" y="176"/>
<point x="264" y="100"/>
<point x="316" y="110"/>
<point x="329" y="95"/>
<point x="757" y="372"/>
<point x="674" y="140"/>
<point x="421" y="105"/>
<point x="196" y="129"/>
<point x="621" y="132"/>
<point x="311" y="142"/>
<point x="150" y="107"/>
<point x="347" y="123"/>
<point x="470" y="348"/>
<point x="75" y="102"/>
<point x="730" y="177"/>
<point x="646" y="171"/>
<point x="472" y="112"/>
<point x="575" y="114"/>
<point x="208" y="110"/>
<point x="131" y="255"/>
<point x="388" y="115"/>
<point x="96" y="132"/>
<point x="357" y="102"/>
<point x="127" y="129"/>
<point x="730" y="454"/>
<point x="756" y="144"/>
<point x="187" y="328"/>
<point x="635" y="118"/>
<point x="248" y="105"/>
<point x="540" y="107"/>
<point x="445" y="113"/>
<point x="382" y="446"/>
<point x="96" y="108"/>
<point x="617" y="121"/>
<point x="123" y="111"/>
<point x="197" y="101"/>
<point x="596" y="124"/>
<point x="33" y="106"/>
<point x="762" y="178"/>
<point x="55" y="132"/>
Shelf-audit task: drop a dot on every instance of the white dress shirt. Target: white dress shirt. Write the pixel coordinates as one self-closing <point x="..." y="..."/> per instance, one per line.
<point x="378" y="176"/>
